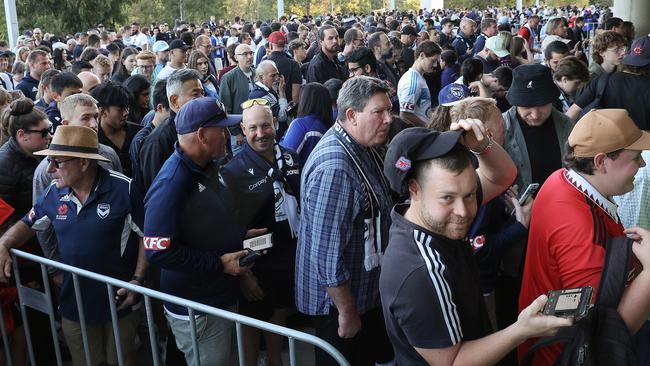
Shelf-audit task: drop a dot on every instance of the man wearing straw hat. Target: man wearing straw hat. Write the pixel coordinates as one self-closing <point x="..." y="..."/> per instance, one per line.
<point x="97" y="215"/>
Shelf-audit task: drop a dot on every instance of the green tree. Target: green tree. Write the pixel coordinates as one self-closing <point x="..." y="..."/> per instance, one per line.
<point x="68" y="16"/>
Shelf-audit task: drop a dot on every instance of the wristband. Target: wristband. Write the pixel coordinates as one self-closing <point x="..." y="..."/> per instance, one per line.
<point x="485" y="149"/>
<point x="140" y="279"/>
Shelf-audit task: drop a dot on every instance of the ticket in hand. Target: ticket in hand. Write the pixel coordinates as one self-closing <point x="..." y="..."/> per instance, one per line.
<point x="259" y="243"/>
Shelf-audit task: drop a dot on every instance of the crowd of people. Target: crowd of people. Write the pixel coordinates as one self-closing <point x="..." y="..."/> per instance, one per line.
<point x="376" y="159"/>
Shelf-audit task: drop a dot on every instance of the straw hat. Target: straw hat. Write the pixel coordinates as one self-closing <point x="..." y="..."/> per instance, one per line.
<point x="75" y="142"/>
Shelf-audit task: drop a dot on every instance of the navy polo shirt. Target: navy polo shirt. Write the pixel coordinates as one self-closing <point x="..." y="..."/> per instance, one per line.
<point x="29" y="86"/>
<point x="102" y="236"/>
<point x="189" y="225"/>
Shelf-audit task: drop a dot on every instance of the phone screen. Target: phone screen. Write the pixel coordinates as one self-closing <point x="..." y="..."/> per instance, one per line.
<point x="568" y="302"/>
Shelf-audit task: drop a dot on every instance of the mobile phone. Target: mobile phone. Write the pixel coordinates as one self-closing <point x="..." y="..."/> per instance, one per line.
<point x="249" y="258"/>
<point x="529" y="192"/>
<point x="573" y="302"/>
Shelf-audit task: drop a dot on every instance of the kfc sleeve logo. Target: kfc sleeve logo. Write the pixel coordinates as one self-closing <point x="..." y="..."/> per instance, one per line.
<point x="156" y="243"/>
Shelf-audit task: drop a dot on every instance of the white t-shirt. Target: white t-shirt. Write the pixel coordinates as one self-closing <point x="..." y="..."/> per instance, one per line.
<point x="140" y="40"/>
<point x="165" y="72"/>
<point x="413" y="94"/>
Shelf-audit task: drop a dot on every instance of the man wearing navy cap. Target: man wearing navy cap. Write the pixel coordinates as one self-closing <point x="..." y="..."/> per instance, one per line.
<point x="191" y="233"/>
<point x="429" y="286"/>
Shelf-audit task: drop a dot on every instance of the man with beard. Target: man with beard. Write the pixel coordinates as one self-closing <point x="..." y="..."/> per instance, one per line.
<point x="139" y="39"/>
<point x="114" y="130"/>
<point x="380" y="45"/>
<point x="412" y="90"/>
<point x="325" y="65"/>
<point x="270" y="87"/>
<point x="429" y="283"/>
<point x="287" y="67"/>
<point x="265" y="182"/>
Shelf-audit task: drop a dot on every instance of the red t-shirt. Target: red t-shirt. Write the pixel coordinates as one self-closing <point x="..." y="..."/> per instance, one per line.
<point x="569" y="228"/>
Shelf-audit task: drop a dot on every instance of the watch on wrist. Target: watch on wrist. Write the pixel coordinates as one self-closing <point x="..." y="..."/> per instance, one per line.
<point x="140" y="279"/>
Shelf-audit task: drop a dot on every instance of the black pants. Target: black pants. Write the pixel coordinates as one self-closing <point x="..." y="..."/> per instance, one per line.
<point x="370" y="345"/>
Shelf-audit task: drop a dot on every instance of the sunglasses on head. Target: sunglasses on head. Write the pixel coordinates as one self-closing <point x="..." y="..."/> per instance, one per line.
<point x="251" y="102"/>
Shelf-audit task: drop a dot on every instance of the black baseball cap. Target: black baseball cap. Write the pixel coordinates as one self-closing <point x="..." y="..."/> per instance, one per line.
<point x="178" y="44"/>
<point x="409" y="31"/>
<point x="413" y="145"/>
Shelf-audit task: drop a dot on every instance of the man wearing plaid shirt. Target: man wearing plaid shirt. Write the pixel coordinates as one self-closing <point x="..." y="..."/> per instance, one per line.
<point x="345" y="208"/>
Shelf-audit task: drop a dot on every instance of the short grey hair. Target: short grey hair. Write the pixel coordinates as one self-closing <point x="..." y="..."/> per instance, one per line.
<point x="356" y="93"/>
<point x="177" y="78"/>
<point x="260" y="69"/>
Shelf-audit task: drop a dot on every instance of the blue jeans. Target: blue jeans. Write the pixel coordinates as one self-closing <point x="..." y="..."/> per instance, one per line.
<point x="214" y="338"/>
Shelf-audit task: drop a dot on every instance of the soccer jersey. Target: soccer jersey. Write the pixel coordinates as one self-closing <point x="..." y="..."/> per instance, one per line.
<point x="414" y="96"/>
<point x="569" y="228"/>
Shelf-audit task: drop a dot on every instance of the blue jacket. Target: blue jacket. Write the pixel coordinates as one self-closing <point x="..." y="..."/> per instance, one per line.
<point x="53" y="115"/>
<point x="246" y="175"/>
<point x="303" y="135"/>
<point x="188" y="226"/>
<point x="29" y="87"/>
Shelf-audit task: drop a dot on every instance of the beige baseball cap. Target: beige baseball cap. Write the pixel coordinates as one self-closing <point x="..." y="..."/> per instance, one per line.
<point x="605" y="131"/>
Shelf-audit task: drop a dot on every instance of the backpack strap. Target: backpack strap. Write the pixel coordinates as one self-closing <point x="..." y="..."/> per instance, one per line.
<point x="563" y="335"/>
<point x="601" y="85"/>
<point x="615" y="271"/>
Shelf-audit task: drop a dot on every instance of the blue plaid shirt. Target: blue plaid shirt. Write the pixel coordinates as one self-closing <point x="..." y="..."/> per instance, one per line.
<point x="331" y="242"/>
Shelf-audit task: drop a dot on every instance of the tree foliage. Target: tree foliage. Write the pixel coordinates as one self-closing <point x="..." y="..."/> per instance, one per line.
<point x="68" y="16"/>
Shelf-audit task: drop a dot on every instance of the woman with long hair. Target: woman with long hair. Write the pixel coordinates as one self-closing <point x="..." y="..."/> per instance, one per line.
<point x="314" y="119"/>
<point x="126" y="65"/>
<point x="60" y="59"/>
<point x="199" y="62"/>
<point x="140" y="90"/>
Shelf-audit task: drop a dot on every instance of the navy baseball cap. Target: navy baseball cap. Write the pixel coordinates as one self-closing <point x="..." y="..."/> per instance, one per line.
<point x="203" y="112"/>
<point x="639" y="54"/>
<point x="412" y="145"/>
<point x="452" y="94"/>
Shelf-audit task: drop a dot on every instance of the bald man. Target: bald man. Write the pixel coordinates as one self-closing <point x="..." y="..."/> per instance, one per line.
<point x="89" y="81"/>
<point x="272" y="204"/>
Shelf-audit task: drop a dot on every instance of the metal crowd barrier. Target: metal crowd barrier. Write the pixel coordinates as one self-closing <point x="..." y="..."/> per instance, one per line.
<point x="42" y="301"/>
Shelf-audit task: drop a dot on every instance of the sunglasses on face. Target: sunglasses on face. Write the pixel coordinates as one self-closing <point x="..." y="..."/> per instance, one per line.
<point x="57" y="163"/>
<point x="44" y="132"/>
<point x="251" y="102"/>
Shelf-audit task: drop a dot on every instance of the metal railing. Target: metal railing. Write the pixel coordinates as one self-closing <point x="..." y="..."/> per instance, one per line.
<point x="42" y="301"/>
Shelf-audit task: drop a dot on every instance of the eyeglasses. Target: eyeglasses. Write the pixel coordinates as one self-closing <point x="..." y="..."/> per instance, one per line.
<point x="44" y="132"/>
<point x="244" y="54"/>
<point x="57" y="163"/>
<point x="618" y="49"/>
<point x="353" y="70"/>
<point x="251" y="102"/>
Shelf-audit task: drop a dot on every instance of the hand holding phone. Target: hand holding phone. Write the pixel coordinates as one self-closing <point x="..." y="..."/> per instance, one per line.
<point x="573" y="302"/>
